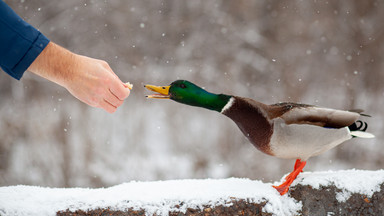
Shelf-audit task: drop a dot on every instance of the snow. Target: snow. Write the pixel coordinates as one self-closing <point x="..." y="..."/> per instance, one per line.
<point x="349" y="181"/>
<point x="155" y="197"/>
<point x="160" y="197"/>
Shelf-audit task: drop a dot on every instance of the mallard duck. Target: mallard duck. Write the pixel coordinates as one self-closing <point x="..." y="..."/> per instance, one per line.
<point x="284" y="130"/>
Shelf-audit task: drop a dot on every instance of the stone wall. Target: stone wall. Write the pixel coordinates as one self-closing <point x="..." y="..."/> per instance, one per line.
<point x="315" y="202"/>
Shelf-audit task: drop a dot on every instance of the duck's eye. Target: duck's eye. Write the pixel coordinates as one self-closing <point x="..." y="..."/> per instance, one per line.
<point x="182" y="85"/>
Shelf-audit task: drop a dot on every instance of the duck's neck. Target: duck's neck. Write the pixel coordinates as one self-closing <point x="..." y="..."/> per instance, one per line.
<point x="217" y="102"/>
<point x="209" y="100"/>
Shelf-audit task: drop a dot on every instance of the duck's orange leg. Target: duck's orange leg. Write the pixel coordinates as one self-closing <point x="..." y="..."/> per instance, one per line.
<point x="297" y="164"/>
<point x="283" y="188"/>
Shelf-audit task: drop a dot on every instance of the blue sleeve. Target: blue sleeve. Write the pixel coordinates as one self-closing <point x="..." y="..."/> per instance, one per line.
<point x="20" y="43"/>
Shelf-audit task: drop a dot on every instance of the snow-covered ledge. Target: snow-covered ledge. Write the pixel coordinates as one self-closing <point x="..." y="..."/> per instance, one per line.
<point x="350" y="192"/>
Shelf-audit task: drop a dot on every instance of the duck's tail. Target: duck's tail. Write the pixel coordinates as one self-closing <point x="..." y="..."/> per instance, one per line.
<point x="358" y="129"/>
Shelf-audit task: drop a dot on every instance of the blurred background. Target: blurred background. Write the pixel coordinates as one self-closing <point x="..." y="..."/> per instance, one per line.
<point x="326" y="53"/>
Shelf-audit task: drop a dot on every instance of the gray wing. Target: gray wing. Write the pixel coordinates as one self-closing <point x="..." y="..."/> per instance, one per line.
<point x="293" y="113"/>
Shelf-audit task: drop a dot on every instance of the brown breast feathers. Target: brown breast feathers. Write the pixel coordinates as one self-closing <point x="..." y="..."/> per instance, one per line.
<point x="249" y="117"/>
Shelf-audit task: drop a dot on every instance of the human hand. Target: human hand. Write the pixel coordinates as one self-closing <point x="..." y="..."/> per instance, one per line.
<point x="95" y="84"/>
<point x="90" y="80"/>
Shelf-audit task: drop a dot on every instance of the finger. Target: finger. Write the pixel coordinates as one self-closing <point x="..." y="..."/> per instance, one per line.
<point x="107" y="106"/>
<point x="113" y="100"/>
<point x="119" y="90"/>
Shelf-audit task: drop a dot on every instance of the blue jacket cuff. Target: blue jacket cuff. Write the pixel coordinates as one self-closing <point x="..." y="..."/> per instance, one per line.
<point x="34" y="50"/>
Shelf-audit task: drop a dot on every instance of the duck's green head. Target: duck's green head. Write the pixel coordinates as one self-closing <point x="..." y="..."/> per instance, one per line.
<point x="185" y="92"/>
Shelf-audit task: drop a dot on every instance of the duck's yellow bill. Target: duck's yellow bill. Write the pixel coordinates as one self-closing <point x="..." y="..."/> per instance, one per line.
<point x="162" y="90"/>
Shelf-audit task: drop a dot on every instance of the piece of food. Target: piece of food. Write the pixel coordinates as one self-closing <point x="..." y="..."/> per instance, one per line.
<point x="128" y="85"/>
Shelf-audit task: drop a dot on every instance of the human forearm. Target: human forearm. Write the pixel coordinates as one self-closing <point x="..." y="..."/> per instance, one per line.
<point x="55" y="64"/>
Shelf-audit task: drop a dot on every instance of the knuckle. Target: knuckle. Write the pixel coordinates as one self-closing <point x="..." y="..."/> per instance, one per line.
<point x="119" y="103"/>
<point x="104" y="64"/>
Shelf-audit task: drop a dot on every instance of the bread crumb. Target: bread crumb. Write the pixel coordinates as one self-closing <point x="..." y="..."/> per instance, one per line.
<point x="128" y="85"/>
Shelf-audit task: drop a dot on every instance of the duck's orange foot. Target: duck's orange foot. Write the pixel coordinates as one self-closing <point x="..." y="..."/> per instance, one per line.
<point x="283" y="188"/>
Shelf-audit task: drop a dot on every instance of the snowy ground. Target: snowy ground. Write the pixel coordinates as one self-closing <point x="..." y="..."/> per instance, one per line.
<point x="161" y="196"/>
